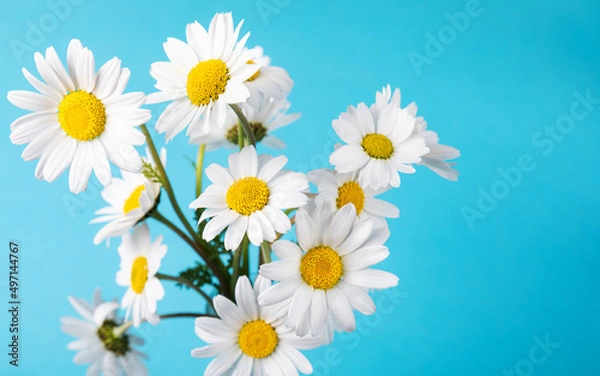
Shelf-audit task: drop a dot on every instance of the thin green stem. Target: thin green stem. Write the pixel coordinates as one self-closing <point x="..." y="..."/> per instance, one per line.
<point x="245" y="124"/>
<point x="162" y="219"/>
<point x="236" y="268"/>
<point x="265" y="253"/>
<point x="212" y="261"/>
<point x="185" y="314"/>
<point x="186" y="282"/>
<point x="199" y="168"/>
<point x="240" y="135"/>
<point x="246" y="260"/>
<point x="118" y="331"/>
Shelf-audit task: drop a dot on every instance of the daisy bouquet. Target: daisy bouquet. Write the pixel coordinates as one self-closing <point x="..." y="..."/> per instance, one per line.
<point x="316" y="249"/>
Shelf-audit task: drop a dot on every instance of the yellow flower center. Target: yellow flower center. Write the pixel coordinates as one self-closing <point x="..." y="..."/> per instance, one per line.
<point x="321" y="267"/>
<point x="351" y="192"/>
<point x="81" y="115"/>
<point x="247" y="195"/>
<point x="206" y="81"/>
<point x="258" y="339"/>
<point x="139" y="274"/>
<point x="133" y="201"/>
<point x="255" y="75"/>
<point x="377" y="146"/>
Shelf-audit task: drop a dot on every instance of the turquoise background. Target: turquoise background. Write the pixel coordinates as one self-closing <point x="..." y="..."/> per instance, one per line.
<point x="481" y="283"/>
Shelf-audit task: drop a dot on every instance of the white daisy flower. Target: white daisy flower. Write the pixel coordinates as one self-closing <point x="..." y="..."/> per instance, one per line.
<point x="130" y="199"/>
<point x="249" y="198"/>
<point x="202" y="76"/>
<point x="339" y="189"/>
<point x="438" y="155"/>
<point x="248" y="339"/>
<point x="107" y="351"/>
<point x="274" y="82"/>
<point x="379" y="145"/>
<point x="81" y="118"/>
<point x="330" y="269"/>
<point x="140" y="261"/>
<point x="265" y="115"/>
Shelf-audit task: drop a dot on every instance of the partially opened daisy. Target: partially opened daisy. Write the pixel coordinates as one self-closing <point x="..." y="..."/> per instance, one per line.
<point x="81" y="118"/>
<point x="140" y="261"/>
<point x="339" y="189"/>
<point x="438" y="155"/>
<point x="379" y="145"/>
<point x="329" y="270"/>
<point x="130" y="200"/>
<point x="202" y="76"/>
<point x="249" y="198"/>
<point x="265" y="115"/>
<point x="248" y="339"/>
<point x="271" y="81"/>
<point x="101" y="340"/>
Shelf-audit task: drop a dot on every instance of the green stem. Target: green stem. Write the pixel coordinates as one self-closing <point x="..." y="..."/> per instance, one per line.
<point x="246" y="260"/>
<point x="185" y="314"/>
<point x="118" y="331"/>
<point x="160" y="218"/>
<point x="199" y="168"/>
<point x="187" y="283"/>
<point x="212" y="261"/>
<point x="240" y="135"/>
<point x="236" y="268"/>
<point x="265" y="253"/>
<point x="245" y="124"/>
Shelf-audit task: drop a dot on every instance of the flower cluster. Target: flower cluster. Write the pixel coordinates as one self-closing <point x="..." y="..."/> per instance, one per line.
<point x="327" y="244"/>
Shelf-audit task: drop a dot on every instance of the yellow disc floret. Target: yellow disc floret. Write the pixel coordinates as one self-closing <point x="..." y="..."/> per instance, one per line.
<point x="81" y="115"/>
<point x="247" y="195"/>
<point x="258" y="339"/>
<point x="351" y="192"/>
<point x="133" y="201"/>
<point x="255" y="75"/>
<point x="139" y="274"/>
<point x="321" y="267"/>
<point x="207" y="81"/>
<point x="377" y="146"/>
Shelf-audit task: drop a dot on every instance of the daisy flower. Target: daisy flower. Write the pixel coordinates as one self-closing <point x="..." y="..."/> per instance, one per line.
<point x="379" y="145"/>
<point x="328" y="272"/>
<point x="107" y="350"/>
<point x="249" y="198"/>
<point x="438" y="155"/>
<point x="248" y="339"/>
<point x="273" y="82"/>
<point x="339" y="189"/>
<point x="81" y="118"/>
<point x="265" y="115"/>
<point x="131" y="199"/>
<point x="140" y="261"/>
<point x="202" y="76"/>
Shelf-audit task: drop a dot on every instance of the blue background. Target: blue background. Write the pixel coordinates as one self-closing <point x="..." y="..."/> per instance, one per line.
<point x="474" y="293"/>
